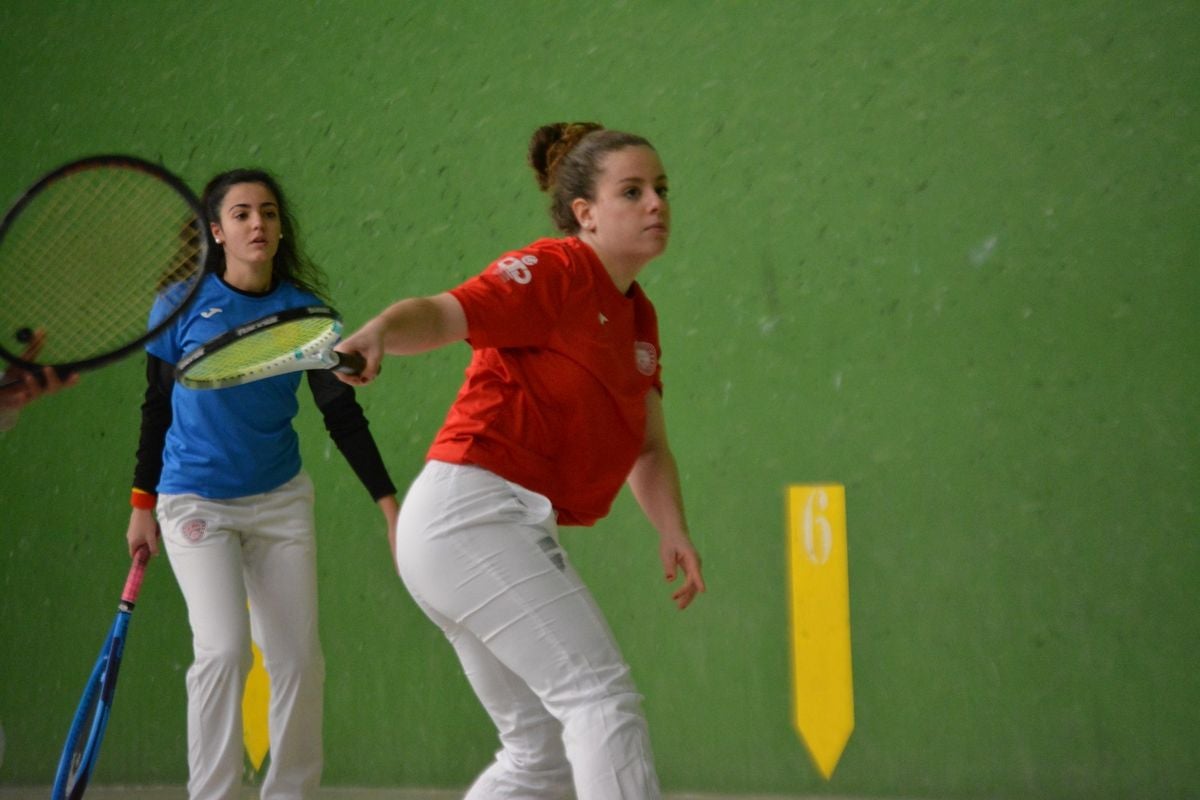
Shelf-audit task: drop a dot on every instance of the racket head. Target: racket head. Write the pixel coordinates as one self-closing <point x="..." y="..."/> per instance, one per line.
<point x="288" y="341"/>
<point x="82" y="747"/>
<point x="84" y="254"/>
<point x="87" y="729"/>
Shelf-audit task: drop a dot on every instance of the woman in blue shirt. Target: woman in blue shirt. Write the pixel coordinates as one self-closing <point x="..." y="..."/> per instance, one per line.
<point x="221" y="470"/>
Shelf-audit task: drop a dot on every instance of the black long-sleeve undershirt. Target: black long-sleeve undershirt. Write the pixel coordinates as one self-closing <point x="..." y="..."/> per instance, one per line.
<point x="350" y="431"/>
<point x="344" y="420"/>
<point x="156" y="419"/>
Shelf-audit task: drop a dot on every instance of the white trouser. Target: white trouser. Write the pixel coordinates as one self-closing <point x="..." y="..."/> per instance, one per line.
<point x="480" y="555"/>
<point x="260" y="548"/>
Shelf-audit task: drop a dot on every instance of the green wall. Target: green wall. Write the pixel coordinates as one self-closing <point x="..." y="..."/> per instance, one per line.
<point x="943" y="253"/>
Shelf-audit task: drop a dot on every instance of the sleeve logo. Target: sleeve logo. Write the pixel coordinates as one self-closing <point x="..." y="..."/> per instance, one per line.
<point x="516" y="269"/>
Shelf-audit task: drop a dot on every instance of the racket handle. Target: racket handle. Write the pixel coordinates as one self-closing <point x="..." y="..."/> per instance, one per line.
<point x="133" y="584"/>
<point x="14" y="374"/>
<point x="350" y="363"/>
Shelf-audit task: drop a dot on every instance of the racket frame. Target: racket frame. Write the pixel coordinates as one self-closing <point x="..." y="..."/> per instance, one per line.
<point x="202" y="252"/>
<point x="317" y="354"/>
<point x="72" y="775"/>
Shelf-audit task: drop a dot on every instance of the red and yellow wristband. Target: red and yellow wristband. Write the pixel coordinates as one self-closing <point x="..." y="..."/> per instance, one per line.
<point x="142" y="499"/>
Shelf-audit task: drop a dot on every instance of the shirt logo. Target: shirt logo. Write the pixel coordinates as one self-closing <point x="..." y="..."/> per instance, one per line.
<point x="603" y="319"/>
<point x="212" y="312"/>
<point x="646" y="357"/>
<point x="516" y="269"/>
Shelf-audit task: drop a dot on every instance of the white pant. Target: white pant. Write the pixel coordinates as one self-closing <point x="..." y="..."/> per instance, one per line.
<point x="480" y="555"/>
<point x="260" y="548"/>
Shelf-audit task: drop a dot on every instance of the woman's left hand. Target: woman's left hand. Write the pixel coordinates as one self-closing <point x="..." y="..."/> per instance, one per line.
<point x="391" y="510"/>
<point x="678" y="552"/>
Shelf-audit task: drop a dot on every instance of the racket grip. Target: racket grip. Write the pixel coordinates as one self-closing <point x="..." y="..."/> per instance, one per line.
<point x="133" y="584"/>
<point x="350" y="363"/>
<point x="15" y="374"/>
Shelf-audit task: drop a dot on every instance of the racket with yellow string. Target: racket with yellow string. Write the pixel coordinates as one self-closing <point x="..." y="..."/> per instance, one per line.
<point x="294" y="340"/>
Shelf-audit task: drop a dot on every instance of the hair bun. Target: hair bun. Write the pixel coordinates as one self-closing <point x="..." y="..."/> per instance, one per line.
<point x="550" y="143"/>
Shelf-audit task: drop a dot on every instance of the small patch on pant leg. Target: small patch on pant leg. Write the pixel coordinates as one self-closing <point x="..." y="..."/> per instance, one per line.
<point x="194" y="529"/>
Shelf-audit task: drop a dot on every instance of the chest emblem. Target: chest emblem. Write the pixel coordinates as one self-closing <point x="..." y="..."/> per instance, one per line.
<point x="646" y="357"/>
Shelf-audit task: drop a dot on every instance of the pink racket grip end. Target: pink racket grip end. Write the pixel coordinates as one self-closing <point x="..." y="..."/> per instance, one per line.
<point x="133" y="584"/>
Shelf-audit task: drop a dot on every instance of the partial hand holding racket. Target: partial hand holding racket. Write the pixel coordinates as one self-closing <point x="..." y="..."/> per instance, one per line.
<point x="91" y="717"/>
<point x="365" y="344"/>
<point x="19" y="387"/>
<point x="289" y="341"/>
<point x="86" y="252"/>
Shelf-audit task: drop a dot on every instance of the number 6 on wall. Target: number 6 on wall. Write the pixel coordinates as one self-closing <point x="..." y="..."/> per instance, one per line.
<point x="822" y="681"/>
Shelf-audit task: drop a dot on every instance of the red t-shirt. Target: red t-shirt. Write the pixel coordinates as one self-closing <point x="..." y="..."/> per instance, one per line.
<point x="555" y="395"/>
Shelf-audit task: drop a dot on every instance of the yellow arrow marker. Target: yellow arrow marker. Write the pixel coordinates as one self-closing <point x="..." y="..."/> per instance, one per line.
<point x="822" y="683"/>
<point x="255" y="700"/>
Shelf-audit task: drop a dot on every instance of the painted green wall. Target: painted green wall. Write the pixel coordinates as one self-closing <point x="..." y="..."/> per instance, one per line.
<point x="943" y="253"/>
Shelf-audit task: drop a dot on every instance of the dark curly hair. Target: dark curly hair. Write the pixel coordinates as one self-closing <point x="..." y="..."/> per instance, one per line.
<point x="566" y="156"/>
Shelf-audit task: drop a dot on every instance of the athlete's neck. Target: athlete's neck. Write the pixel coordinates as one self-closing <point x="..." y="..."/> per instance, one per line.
<point x="622" y="271"/>
<point x="248" y="278"/>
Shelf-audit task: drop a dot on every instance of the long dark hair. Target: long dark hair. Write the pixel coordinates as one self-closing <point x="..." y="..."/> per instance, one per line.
<point x="291" y="263"/>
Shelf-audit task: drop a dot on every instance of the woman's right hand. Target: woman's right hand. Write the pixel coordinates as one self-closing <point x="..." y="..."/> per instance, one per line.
<point x="142" y="531"/>
<point x="414" y="325"/>
<point x="367" y="342"/>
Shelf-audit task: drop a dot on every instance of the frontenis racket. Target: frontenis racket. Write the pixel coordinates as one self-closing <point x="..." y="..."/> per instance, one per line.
<point x="85" y="252"/>
<point x="91" y="718"/>
<point x="290" y="341"/>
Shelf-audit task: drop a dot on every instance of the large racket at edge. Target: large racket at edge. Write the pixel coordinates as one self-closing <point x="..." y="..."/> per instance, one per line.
<point x="86" y="251"/>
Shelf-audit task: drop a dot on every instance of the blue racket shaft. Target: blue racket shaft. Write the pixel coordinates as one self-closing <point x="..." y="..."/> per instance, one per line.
<point x="82" y="747"/>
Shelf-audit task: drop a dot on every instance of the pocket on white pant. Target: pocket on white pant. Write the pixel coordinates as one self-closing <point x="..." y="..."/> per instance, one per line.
<point x="538" y="508"/>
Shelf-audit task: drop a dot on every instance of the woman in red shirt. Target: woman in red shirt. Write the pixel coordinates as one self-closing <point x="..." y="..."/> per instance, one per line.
<point x="561" y="405"/>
